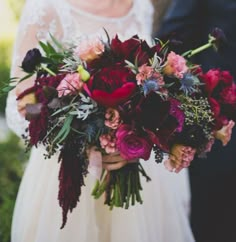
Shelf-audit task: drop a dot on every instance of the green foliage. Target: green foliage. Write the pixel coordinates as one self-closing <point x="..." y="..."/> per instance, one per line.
<point x="5" y="60"/>
<point x="12" y="159"/>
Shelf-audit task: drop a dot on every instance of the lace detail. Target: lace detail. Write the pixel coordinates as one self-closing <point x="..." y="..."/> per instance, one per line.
<point x="41" y="17"/>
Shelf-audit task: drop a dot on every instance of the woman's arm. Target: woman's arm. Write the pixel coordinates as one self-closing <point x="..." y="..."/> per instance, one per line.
<point x="38" y="19"/>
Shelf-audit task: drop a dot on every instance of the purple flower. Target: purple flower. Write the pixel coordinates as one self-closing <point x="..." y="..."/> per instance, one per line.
<point x="32" y="60"/>
<point x="219" y="38"/>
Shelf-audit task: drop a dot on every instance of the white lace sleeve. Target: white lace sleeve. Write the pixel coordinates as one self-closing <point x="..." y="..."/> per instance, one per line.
<point x="37" y="21"/>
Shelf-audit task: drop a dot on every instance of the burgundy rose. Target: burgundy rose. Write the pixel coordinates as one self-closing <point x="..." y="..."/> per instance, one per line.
<point x="143" y="53"/>
<point x="177" y="113"/>
<point x="228" y="95"/>
<point x="215" y="78"/>
<point x="152" y="111"/>
<point x="130" y="145"/>
<point x="112" y="85"/>
<point x="216" y="109"/>
<point x="133" y="49"/>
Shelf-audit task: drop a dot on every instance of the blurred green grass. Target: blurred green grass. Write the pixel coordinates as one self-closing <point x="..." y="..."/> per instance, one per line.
<point x="12" y="162"/>
<point x="5" y="60"/>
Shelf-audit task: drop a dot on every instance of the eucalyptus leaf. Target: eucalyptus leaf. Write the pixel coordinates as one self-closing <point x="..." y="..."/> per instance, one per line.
<point x="65" y="130"/>
<point x="56" y="42"/>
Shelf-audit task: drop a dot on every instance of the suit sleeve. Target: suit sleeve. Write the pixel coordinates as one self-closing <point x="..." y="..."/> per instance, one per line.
<point x="181" y="21"/>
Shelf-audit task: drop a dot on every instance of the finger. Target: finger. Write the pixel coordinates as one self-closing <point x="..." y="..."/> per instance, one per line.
<point x="178" y="169"/>
<point x="186" y="164"/>
<point x="21" y="108"/>
<point x="231" y="124"/>
<point x="168" y="165"/>
<point x="175" y="161"/>
<point x="177" y="150"/>
<point x="133" y="161"/>
<point x="114" y="166"/>
<point x="112" y="159"/>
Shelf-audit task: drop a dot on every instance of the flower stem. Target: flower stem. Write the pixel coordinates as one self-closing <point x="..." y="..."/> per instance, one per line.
<point x="48" y="70"/>
<point x="197" y="50"/>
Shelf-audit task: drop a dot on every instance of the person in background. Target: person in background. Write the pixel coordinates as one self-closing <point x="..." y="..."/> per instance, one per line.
<point x="212" y="179"/>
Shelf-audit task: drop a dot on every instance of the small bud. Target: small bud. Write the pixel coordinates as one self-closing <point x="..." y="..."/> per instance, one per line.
<point x="83" y="73"/>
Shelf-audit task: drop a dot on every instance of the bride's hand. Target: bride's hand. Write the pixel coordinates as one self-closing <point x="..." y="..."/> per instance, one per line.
<point x="114" y="161"/>
<point x="180" y="157"/>
<point x="27" y="99"/>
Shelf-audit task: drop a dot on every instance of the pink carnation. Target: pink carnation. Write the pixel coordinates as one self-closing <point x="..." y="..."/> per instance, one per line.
<point x="145" y="72"/>
<point x="89" y="50"/>
<point x="130" y="145"/>
<point x="71" y="83"/>
<point x="112" y="117"/>
<point x="176" y="65"/>
<point x="108" y="143"/>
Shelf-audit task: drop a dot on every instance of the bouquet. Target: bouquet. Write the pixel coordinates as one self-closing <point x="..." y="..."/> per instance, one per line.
<point x="99" y="97"/>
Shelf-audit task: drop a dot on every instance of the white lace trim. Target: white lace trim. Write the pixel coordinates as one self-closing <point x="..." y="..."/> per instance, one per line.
<point x="40" y="18"/>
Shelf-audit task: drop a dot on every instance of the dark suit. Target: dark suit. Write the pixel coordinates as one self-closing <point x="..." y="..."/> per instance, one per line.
<point x="213" y="180"/>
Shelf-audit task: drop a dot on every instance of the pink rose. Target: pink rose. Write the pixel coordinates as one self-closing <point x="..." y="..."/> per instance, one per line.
<point x="130" y="145"/>
<point x="71" y="83"/>
<point x="89" y="50"/>
<point x="176" y="65"/>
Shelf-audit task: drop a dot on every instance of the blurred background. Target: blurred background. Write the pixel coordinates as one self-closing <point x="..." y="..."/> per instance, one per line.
<point x="12" y="154"/>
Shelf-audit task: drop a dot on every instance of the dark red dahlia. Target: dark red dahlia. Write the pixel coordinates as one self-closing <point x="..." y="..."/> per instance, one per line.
<point x="112" y="85"/>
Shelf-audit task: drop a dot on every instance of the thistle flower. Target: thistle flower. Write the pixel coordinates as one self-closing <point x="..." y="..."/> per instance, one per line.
<point x="188" y="83"/>
<point x="149" y="86"/>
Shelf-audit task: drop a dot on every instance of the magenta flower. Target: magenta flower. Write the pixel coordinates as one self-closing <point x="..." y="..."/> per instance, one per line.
<point x="130" y="145"/>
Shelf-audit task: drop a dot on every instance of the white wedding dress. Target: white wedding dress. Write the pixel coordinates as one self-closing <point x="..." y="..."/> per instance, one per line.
<point x="164" y="215"/>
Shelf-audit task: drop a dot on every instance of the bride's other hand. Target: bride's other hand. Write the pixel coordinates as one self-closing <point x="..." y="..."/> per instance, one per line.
<point x="114" y="161"/>
<point x="27" y="99"/>
<point x="179" y="158"/>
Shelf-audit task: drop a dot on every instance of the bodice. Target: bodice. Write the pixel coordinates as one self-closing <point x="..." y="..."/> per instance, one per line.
<point x="69" y="24"/>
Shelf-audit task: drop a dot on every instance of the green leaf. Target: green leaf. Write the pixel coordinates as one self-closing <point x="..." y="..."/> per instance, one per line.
<point x="56" y="42"/>
<point x="44" y="47"/>
<point x="51" y="48"/>
<point x="8" y="89"/>
<point x="26" y="77"/>
<point x="65" y="130"/>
